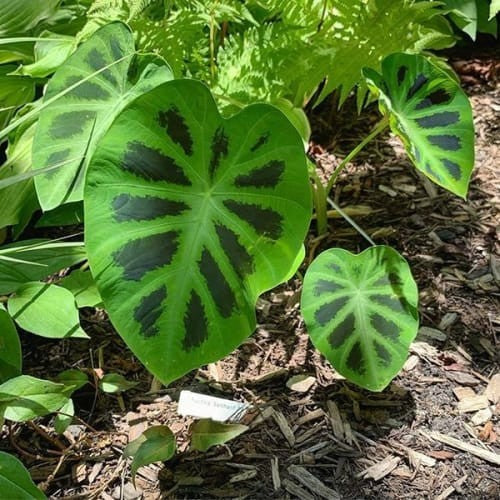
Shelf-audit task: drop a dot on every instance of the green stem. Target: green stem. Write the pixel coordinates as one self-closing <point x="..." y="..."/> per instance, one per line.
<point x="380" y="127"/>
<point x="319" y="198"/>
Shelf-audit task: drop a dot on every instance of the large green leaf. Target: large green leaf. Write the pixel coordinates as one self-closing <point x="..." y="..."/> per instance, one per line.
<point x="189" y="217"/>
<point x="35" y="260"/>
<point x="19" y="16"/>
<point x="15" y="481"/>
<point x="432" y="116"/>
<point x="10" y="348"/>
<point x="24" y="398"/>
<point x="14" y="92"/>
<point x="361" y="312"/>
<point x="46" y="310"/>
<point x="69" y="127"/>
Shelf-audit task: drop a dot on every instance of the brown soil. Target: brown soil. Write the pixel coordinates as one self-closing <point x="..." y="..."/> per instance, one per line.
<point x="453" y="251"/>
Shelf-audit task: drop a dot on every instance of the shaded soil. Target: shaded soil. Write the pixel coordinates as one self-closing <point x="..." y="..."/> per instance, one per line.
<point x="452" y="247"/>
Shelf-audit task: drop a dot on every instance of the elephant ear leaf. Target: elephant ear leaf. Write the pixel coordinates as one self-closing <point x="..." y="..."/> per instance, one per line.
<point x="361" y="312"/>
<point x="94" y="85"/>
<point x="189" y="218"/>
<point x="432" y="116"/>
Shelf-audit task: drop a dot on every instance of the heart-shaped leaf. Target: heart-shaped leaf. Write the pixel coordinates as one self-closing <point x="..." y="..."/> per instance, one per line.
<point x="361" y="312"/>
<point x="70" y="126"/>
<point x="189" y="218"/>
<point x="432" y="116"/>
<point x="15" y="481"/>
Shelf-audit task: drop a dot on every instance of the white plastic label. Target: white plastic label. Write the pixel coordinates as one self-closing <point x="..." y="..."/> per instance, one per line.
<point x="202" y="406"/>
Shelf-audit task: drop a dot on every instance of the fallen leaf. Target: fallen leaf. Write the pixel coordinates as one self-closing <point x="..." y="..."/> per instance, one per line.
<point x="300" y="383"/>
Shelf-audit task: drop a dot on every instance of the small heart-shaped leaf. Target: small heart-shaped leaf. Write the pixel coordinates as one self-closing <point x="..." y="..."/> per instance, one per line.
<point x="361" y="312"/>
<point x="207" y="433"/>
<point x="432" y="116"/>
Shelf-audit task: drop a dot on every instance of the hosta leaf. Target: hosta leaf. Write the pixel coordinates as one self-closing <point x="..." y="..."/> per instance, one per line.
<point x="24" y="398"/>
<point x="189" y="217"/>
<point x="69" y="128"/>
<point x="206" y="433"/>
<point x="156" y="444"/>
<point x="15" y="481"/>
<point x="82" y="286"/>
<point x="361" y="312"/>
<point x="22" y="15"/>
<point x="10" y="348"/>
<point x="46" y="310"/>
<point x="431" y="115"/>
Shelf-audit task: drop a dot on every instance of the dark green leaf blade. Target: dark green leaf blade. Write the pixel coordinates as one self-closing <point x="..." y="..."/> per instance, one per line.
<point x="432" y="116"/>
<point x="70" y="127"/>
<point x="361" y="312"/>
<point x="15" y="481"/>
<point x="189" y="218"/>
<point x="10" y="348"/>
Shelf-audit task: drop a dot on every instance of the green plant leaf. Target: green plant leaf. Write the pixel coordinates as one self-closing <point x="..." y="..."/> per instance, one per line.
<point x="114" y="382"/>
<point x="15" y="480"/>
<point x="23" y="15"/>
<point x="71" y="126"/>
<point x="10" y="348"/>
<point x="25" y="398"/>
<point x="432" y="116"/>
<point x="189" y="217"/>
<point x="156" y="444"/>
<point x="64" y="419"/>
<point x="19" y="201"/>
<point x="82" y="286"/>
<point x="206" y="433"/>
<point x="14" y="92"/>
<point x="73" y="379"/>
<point x="361" y="312"/>
<point x="494" y="8"/>
<point x="50" y="52"/>
<point x="70" y="214"/>
<point x="46" y="310"/>
<point x="464" y="15"/>
<point x="45" y="256"/>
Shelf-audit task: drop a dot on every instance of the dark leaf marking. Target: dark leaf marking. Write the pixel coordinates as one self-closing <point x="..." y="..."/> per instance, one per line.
<point x="445" y="142"/>
<point x="96" y="61"/>
<point x="149" y="310"/>
<point x="86" y="90"/>
<point x="261" y="141"/>
<point x="385" y="327"/>
<point x="116" y="49"/>
<point x="439" y="119"/>
<point x="388" y="279"/>
<point x="70" y="123"/>
<point x="219" y="148"/>
<point x="453" y="168"/>
<point x="439" y="96"/>
<point x="217" y="284"/>
<point x="54" y="159"/>
<point x="237" y="254"/>
<point x="265" y="221"/>
<point x="127" y="207"/>
<point x="327" y="311"/>
<point x="395" y="303"/>
<point x="153" y="165"/>
<point x="326" y="286"/>
<point x="355" y="360"/>
<point x="140" y="256"/>
<point x="267" y="176"/>
<point x="342" y="331"/>
<point x="432" y="172"/>
<point x="176" y="128"/>
<point x="402" y="74"/>
<point x="417" y="154"/>
<point x="334" y="267"/>
<point x="382" y="353"/>
<point x="420" y="81"/>
<point x="195" y="323"/>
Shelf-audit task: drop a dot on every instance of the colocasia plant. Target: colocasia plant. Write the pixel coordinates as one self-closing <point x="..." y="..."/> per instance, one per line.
<point x="196" y="198"/>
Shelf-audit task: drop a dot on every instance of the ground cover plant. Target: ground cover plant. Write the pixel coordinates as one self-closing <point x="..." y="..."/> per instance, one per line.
<point x="175" y="133"/>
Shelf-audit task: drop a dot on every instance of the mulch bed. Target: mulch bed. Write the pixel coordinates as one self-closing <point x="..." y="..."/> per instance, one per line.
<point x="332" y="439"/>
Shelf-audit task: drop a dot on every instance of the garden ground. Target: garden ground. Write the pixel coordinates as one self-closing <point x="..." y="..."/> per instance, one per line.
<point x="433" y="433"/>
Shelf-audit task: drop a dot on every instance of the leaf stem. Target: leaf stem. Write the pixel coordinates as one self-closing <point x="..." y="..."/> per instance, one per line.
<point x="380" y="127"/>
